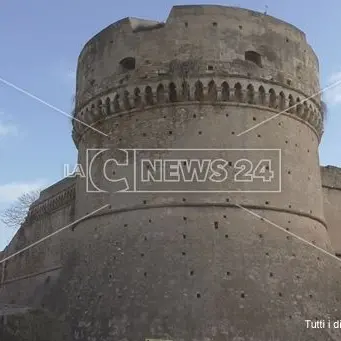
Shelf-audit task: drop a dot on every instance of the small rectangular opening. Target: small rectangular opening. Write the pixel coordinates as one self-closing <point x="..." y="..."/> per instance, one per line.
<point x="254" y="57"/>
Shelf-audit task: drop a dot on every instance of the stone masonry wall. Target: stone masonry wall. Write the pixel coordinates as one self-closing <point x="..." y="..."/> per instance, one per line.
<point x="30" y="274"/>
<point x="18" y="323"/>
<point x="331" y="182"/>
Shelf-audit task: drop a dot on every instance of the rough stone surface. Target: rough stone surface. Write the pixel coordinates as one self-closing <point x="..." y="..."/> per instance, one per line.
<point x="25" y="324"/>
<point x="331" y="181"/>
<point x="189" y="266"/>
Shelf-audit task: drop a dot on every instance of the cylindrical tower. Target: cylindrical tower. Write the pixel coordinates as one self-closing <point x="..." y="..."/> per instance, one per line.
<point x="200" y="266"/>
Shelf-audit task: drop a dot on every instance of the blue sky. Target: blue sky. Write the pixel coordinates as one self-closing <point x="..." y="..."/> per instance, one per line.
<point x="40" y="43"/>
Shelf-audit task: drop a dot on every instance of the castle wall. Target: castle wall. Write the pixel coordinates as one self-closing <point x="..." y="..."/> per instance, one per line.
<point x="331" y="182"/>
<point x="29" y="275"/>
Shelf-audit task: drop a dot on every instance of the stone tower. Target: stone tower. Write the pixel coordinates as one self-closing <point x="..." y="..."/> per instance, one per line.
<point x="198" y="266"/>
<point x="193" y="266"/>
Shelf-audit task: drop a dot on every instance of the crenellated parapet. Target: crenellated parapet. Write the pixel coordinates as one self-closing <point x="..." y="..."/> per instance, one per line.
<point x="51" y="204"/>
<point x="209" y="90"/>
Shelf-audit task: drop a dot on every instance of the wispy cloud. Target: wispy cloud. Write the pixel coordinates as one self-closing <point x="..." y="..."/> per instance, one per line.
<point x="333" y="95"/>
<point x="71" y="75"/>
<point x="65" y="72"/>
<point x="6" y="128"/>
<point x="11" y="191"/>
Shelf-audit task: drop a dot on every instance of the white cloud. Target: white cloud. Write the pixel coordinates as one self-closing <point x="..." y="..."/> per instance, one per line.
<point x="7" y="129"/>
<point x="333" y="95"/>
<point x="11" y="191"/>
